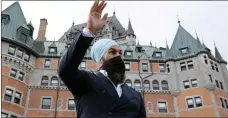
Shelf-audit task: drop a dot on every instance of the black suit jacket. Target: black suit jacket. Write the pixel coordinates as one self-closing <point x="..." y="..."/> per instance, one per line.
<point x="95" y="95"/>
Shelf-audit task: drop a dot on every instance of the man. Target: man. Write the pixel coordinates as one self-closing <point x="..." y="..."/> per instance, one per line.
<point x="102" y="94"/>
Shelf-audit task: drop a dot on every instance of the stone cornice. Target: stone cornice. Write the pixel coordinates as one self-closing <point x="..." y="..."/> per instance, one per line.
<point x="48" y="87"/>
<point x="12" y="60"/>
<point x="175" y="93"/>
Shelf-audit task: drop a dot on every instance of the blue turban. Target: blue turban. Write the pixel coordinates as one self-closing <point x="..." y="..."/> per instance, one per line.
<point x="100" y="47"/>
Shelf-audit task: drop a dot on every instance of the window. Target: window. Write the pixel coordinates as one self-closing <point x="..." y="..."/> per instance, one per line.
<point x="11" y="50"/>
<point x="8" y="94"/>
<point x="71" y="105"/>
<point x="184" y="50"/>
<point x="198" y="101"/>
<point x="221" y="85"/>
<point x="157" y="54"/>
<point x="194" y="82"/>
<point x="54" y="81"/>
<point x="46" y="103"/>
<point x="190" y="103"/>
<point x="83" y="65"/>
<point x="13" y="72"/>
<point x="128" y="82"/>
<point x="127" y="66"/>
<point x="186" y="84"/>
<point x="47" y="63"/>
<point x="17" y="98"/>
<point x="183" y="66"/>
<point x="190" y="65"/>
<point x="19" y="53"/>
<point x="52" y="50"/>
<point x="4" y="19"/>
<point x="162" y="108"/>
<point x="137" y="84"/>
<point x="205" y="59"/>
<point x="128" y="53"/>
<point x="210" y="77"/>
<point x="222" y="103"/>
<point x="155" y="85"/>
<point x="62" y="83"/>
<point x="226" y="103"/>
<point x="212" y="66"/>
<point x="44" y="81"/>
<point x="168" y="69"/>
<point x="26" y="57"/>
<point x="194" y="102"/>
<point x="21" y="76"/>
<point x="162" y="67"/>
<point x="146" y="85"/>
<point x="144" y="67"/>
<point x="165" y="85"/>
<point x="23" y="37"/>
<point x="216" y="68"/>
<point x="217" y="83"/>
<point x="4" y="115"/>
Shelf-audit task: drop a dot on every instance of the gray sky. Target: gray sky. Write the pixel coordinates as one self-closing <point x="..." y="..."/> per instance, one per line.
<point x="151" y="20"/>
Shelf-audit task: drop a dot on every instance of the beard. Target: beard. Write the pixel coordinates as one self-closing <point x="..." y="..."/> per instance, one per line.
<point x="115" y="68"/>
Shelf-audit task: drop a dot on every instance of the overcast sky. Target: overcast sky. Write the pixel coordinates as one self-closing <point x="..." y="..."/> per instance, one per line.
<point x="151" y="20"/>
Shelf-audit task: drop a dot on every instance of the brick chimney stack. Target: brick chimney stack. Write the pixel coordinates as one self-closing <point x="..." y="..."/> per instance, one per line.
<point x="42" y="29"/>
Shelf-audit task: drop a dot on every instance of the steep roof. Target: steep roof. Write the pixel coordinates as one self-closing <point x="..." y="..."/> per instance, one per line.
<point x="183" y="39"/>
<point x="130" y="29"/>
<point x="112" y="19"/>
<point x="218" y="55"/>
<point x="16" y="20"/>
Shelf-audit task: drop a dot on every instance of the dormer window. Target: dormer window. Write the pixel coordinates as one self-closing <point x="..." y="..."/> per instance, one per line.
<point x="138" y="49"/>
<point x="157" y="54"/>
<point x="23" y="37"/>
<point x="128" y="53"/>
<point x="184" y="50"/>
<point x="5" y="18"/>
<point x="53" y="50"/>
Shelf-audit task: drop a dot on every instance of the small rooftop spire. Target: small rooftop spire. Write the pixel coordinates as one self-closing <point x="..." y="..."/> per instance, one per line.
<point x="114" y="12"/>
<point x="167" y="46"/>
<point x="178" y="20"/>
<point x="150" y="43"/>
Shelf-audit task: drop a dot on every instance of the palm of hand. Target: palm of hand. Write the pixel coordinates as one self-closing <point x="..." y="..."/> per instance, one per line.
<point x="95" y="22"/>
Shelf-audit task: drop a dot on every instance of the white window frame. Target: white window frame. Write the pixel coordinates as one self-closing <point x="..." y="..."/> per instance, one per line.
<point x="68" y="100"/>
<point x="23" y="75"/>
<point x="12" y="47"/>
<point x="22" y="53"/>
<point x="83" y="65"/>
<point x="127" y="69"/>
<point x="195" y="82"/>
<point x="17" y="97"/>
<point x="47" y="65"/>
<point x="166" y="103"/>
<point x="184" y="83"/>
<point x="13" y="95"/>
<point x="194" y="101"/>
<point x="145" y="66"/>
<point x="45" y="97"/>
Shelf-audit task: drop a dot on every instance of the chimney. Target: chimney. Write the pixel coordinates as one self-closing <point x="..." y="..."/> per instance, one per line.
<point x="42" y="29"/>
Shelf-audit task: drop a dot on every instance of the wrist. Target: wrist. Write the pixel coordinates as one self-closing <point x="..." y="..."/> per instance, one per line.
<point x="92" y="31"/>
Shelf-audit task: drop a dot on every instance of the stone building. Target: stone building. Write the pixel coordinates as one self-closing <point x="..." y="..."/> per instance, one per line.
<point x="185" y="79"/>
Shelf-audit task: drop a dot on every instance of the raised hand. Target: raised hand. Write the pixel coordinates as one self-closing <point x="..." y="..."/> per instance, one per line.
<point x="95" y="22"/>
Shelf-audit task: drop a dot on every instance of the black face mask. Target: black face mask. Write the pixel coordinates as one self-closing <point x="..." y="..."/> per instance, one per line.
<point x="115" y="68"/>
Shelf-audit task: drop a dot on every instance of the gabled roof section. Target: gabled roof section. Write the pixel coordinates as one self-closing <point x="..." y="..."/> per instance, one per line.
<point x="183" y="39"/>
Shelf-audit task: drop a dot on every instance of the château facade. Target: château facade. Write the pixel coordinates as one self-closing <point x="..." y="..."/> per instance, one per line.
<point x="185" y="79"/>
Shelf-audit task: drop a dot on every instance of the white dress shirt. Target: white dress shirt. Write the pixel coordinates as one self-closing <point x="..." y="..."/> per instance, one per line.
<point x="118" y="88"/>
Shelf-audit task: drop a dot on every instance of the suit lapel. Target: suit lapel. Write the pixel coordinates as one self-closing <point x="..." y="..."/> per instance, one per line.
<point x="125" y="97"/>
<point x="107" y="86"/>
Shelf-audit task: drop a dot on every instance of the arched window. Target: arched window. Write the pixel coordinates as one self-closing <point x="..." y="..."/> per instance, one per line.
<point x="146" y="85"/>
<point x="54" y="81"/>
<point x="155" y="85"/>
<point x="128" y="82"/>
<point x="44" y="81"/>
<point x="137" y="84"/>
<point x="165" y="85"/>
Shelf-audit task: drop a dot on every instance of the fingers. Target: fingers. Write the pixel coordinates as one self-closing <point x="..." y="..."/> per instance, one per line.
<point x="103" y="7"/>
<point x="101" y="4"/>
<point x="105" y="17"/>
<point x="95" y="6"/>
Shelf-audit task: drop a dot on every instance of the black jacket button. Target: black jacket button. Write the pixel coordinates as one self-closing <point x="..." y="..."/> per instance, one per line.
<point x="110" y="113"/>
